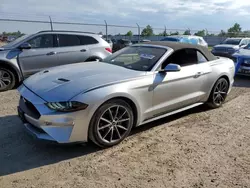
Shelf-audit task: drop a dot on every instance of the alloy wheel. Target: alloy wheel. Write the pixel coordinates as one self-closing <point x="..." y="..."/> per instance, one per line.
<point x="5" y="79"/>
<point x="113" y="124"/>
<point x="220" y="92"/>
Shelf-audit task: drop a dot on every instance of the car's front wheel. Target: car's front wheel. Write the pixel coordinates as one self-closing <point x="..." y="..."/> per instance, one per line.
<point x="7" y="79"/>
<point x="219" y="93"/>
<point x="111" y="123"/>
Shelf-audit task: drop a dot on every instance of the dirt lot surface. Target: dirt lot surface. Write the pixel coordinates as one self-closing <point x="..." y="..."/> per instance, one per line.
<point x="197" y="148"/>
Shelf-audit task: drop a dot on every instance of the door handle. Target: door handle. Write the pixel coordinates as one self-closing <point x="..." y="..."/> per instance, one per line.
<point x="51" y="53"/>
<point x="198" y="74"/>
<point x="83" y="50"/>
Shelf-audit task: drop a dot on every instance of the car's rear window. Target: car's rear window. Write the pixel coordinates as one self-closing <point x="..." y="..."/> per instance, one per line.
<point x="138" y="58"/>
<point x="87" y="40"/>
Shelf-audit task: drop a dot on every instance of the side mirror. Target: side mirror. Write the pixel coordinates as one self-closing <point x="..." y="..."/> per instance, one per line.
<point x="243" y="45"/>
<point x="25" y="45"/>
<point x="171" y="68"/>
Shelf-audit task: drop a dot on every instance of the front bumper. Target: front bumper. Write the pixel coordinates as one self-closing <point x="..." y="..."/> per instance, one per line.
<point x="45" y="124"/>
<point x="243" y="70"/>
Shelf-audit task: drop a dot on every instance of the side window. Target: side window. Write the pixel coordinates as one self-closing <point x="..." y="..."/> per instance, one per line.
<point x="201" y="58"/>
<point x="42" y="41"/>
<point x="68" y="40"/>
<point x="184" y="57"/>
<point x="200" y="41"/>
<point x="87" y="40"/>
<point x="243" y="42"/>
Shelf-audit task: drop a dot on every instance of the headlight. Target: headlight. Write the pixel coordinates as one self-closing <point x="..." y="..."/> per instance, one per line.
<point x="247" y="61"/>
<point x="69" y="106"/>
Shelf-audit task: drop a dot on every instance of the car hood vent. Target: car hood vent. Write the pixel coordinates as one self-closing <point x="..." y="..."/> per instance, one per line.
<point x="63" y="79"/>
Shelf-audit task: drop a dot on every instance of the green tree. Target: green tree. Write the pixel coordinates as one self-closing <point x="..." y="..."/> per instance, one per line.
<point x="234" y="31"/>
<point x="148" y="31"/>
<point x="164" y="33"/>
<point x="174" y="33"/>
<point x="129" y="33"/>
<point x="201" y="33"/>
<point x="187" y="32"/>
<point x="222" y="33"/>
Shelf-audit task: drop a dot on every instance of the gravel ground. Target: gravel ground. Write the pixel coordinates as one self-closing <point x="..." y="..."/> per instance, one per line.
<point x="197" y="148"/>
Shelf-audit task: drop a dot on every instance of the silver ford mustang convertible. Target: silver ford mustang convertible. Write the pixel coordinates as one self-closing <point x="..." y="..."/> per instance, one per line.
<point x="103" y="101"/>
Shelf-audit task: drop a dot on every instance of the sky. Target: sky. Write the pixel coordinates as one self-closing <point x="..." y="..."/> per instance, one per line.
<point x="212" y="15"/>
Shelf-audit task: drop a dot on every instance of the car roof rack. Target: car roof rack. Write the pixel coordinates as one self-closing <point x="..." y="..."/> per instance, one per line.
<point x="66" y="31"/>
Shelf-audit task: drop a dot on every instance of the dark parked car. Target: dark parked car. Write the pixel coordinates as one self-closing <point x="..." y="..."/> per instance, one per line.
<point x="119" y="44"/>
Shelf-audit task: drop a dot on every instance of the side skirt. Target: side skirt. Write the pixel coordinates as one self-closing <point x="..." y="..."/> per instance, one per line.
<point x="171" y="113"/>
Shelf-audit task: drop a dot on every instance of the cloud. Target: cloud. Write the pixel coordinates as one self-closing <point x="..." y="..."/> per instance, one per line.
<point x="212" y="14"/>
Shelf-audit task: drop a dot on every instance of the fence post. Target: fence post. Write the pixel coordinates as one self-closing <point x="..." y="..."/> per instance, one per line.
<point x="139" y="32"/>
<point x="106" y="25"/>
<point x="51" y="23"/>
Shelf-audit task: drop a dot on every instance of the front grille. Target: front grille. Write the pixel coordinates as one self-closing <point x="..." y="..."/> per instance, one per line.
<point x="221" y="49"/>
<point x="29" y="108"/>
<point x="245" y="65"/>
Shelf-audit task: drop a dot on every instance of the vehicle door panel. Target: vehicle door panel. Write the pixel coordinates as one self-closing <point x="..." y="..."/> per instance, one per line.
<point x="38" y="57"/>
<point x="174" y="90"/>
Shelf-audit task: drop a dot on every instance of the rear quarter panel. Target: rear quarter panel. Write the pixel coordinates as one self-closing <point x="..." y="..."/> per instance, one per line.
<point x="220" y="67"/>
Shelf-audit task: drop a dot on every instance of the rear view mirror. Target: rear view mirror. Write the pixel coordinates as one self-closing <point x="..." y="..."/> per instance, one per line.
<point x="25" y="45"/>
<point x="171" y="68"/>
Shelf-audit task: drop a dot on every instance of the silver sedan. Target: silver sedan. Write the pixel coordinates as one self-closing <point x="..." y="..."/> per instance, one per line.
<point x="102" y="101"/>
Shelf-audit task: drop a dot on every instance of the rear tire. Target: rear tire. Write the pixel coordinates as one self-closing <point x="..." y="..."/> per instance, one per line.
<point x="7" y="79"/>
<point x="218" y="94"/>
<point x="111" y="123"/>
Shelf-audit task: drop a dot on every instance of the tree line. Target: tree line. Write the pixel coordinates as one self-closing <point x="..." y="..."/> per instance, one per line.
<point x="233" y="31"/>
<point x="16" y="34"/>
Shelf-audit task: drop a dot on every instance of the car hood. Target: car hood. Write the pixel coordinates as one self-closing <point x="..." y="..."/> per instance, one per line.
<point x="242" y="53"/>
<point x="226" y="46"/>
<point x="65" y="82"/>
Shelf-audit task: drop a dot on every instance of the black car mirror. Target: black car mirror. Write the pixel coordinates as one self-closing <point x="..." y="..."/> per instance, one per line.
<point x="25" y="45"/>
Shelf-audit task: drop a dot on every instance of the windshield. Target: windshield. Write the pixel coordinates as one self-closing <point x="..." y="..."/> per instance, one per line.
<point x="170" y="39"/>
<point x="232" y="41"/>
<point x="138" y="58"/>
<point x="16" y="41"/>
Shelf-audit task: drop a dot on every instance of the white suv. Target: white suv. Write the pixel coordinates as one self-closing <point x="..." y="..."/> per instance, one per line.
<point x="32" y="53"/>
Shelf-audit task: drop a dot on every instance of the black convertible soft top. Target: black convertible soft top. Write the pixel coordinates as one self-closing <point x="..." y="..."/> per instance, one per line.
<point x="179" y="46"/>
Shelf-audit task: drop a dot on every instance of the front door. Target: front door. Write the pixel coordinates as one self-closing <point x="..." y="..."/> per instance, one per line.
<point x="175" y="90"/>
<point x="42" y="55"/>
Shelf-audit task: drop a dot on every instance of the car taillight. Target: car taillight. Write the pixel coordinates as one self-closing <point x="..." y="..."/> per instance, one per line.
<point x="109" y="50"/>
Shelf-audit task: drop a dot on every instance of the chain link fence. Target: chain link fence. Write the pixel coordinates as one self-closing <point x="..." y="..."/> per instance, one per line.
<point x="110" y="31"/>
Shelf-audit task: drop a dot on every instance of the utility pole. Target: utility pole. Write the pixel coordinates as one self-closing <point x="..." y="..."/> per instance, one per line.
<point x="51" y="24"/>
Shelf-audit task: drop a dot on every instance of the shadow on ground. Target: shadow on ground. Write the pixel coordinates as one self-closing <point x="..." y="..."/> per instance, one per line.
<point x="242" y="81"/>
<point x="20" y="151"/>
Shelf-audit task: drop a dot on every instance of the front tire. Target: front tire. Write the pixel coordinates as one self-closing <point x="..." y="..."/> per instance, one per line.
<point x="111" y="123"/>
<point x="219" y="93"/>
<point x="7" y="79"/>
